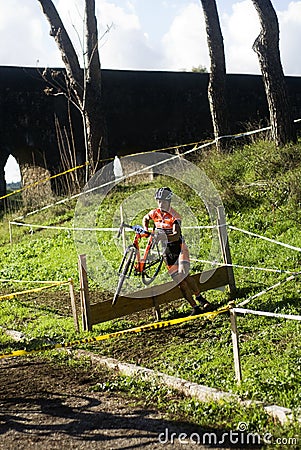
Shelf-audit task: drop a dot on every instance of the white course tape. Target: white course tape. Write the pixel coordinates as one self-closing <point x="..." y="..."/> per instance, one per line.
<point x="237" y="266"/>
<point x="30" y="225"/>
<point x="268" y="314"/>
<point x="259" y="294"/>
<point x="59" y="202"/>
<point x="298" y="249"/>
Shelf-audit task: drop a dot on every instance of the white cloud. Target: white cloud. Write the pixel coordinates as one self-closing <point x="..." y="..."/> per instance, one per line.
<point x="185" y="43"/>
<point x="23" y="38"/>
<point x="290" y="36"/>
<point x="240" y="29"/>
<point x="134" y="42"/>
<point x="126" y="46"/>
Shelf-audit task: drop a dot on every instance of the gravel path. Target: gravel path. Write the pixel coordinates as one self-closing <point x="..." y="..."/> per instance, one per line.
<point x="43" y="406"/>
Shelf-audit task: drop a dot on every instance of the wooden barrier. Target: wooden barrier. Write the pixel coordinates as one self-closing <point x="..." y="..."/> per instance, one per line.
<point x="225" y="248"/>
<point x="153" y="297"/>
<point x="73" y="304"/>
<point x="84" y="293"/>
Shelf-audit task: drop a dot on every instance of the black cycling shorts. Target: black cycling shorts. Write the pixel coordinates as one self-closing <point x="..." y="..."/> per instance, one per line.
<point x="172" y="252"/>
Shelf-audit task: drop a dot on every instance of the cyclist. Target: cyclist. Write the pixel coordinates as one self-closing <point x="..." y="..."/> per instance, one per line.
<point x="176" y="254"/>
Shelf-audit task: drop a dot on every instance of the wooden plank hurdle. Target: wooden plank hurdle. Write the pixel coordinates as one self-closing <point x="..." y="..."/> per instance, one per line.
<point x="153" y="297"/>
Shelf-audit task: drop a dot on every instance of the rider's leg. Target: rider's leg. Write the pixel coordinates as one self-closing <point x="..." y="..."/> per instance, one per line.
<point x="200" y="299"/>
<point x="184" y="256"/>
<point x="185" y="288"/>
<point x="178" y="268"/>
<point x="183" y="280"/>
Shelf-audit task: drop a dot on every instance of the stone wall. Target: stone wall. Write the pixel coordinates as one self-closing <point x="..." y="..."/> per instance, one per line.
<point x="37" y="194"/>
<point x="144" y="111"/>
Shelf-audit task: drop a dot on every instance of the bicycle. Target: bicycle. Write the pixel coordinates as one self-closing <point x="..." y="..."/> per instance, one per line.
<point x="148" y="265"/>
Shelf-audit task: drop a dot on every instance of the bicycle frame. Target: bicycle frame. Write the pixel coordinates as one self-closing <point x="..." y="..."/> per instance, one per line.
<point x="148" y="265"/>
<point x="140" y="261"/>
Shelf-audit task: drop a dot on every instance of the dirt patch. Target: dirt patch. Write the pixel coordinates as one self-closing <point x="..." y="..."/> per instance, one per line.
<point x="53" y="407"/>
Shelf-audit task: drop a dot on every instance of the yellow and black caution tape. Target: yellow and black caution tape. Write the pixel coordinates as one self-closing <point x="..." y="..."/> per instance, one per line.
<point x="28" y="291"/>
<point x="103" y="337"/>
<point x="161" y="149"/>
<point x="12" y="280"/>
<point x="43" y="180"/>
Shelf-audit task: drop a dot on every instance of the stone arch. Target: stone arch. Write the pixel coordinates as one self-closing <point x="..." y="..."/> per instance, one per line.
<point x="12" y="170"/>
<point x="33" y="168"/>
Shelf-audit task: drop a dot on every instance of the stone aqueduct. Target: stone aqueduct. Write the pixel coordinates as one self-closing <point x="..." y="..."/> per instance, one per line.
<point x="144" y="111"/>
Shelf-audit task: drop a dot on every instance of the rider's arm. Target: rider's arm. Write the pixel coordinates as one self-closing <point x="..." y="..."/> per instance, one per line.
<point x="145" y="221"/>
<point x="176" y="233"/>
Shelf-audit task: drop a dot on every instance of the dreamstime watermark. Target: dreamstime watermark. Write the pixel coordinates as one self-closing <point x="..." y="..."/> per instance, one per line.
<point x="98" y="209"/>
<point x="240" y="436"/>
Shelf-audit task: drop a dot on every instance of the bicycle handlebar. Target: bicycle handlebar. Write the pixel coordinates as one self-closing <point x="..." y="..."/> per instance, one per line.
<point x="137" y="228"/>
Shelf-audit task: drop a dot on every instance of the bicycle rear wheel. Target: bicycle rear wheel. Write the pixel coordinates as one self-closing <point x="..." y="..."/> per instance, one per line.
<point x="125" y="270"/>
<point x="153" y="264"/>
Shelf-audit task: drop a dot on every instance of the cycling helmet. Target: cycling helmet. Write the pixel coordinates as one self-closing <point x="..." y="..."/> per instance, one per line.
<point x="163" y="193"/>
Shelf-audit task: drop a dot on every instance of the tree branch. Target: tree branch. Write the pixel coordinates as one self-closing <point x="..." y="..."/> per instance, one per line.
<point x="68" y="53"/>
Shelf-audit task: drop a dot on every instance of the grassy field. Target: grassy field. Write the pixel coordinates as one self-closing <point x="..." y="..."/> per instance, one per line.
<point x="261" y="192"/>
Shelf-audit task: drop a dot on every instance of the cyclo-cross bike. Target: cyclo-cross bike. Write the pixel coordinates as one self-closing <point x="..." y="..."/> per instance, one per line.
<point x="148" y="265"/>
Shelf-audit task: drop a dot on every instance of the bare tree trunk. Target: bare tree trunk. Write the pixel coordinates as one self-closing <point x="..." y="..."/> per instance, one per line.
<point x="85" y="85"/>
<point x="217" y="78"/>
<point x="68" y="53"/>
<point x="94" y="114"/>
<point x="267" y="48"/>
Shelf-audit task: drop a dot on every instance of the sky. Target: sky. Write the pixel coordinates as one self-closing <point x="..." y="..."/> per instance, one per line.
<point x="146" y="35"/>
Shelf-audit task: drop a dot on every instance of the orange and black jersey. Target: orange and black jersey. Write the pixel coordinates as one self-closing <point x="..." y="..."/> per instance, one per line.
<point x="164" y="220"/>
<point x="176" y="250"/>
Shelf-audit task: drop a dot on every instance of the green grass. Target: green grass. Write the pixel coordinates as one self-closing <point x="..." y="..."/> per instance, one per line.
<point x="260" y="188"/>
<point x="225" y="415"/>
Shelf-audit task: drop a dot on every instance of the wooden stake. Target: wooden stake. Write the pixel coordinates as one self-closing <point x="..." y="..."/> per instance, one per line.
<point x="235" y="343"/>
<point x="123" y="230"/>
<point x="157" y="310"/>
<point x="10" y="233"/>
<point x="84" y="294"/>
<point x="224" y="243"/>
<point x="73" y="305"/>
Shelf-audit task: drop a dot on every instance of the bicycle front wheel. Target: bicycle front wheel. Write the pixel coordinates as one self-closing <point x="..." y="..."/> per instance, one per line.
<point x="153" y="263"/>
<point x="125" y="270"/>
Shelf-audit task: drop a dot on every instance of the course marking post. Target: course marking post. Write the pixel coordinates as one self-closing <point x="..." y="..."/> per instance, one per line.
<point x="84" y="293"/>
<point x="123" y="229"/>
<point x="235" y="342"/>
<point x="73" y="305"/>
<point x="10" y="233"/>
<point x="157" y="310"/>
<point x="225" y="247"/>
